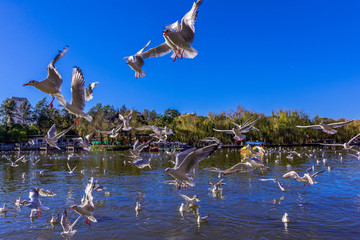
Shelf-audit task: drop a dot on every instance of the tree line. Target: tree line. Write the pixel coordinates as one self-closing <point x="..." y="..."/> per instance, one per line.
<point x="278" y="128"/>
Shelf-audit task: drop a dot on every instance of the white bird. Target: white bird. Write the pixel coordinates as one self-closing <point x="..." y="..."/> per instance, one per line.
<point x="52" y="84"/>
<point x="77" y="103"/>
<point x="275" y="181"/>
<point x="85" y="142"/>
<point x="87" y="205"/>
<point x="45" y="193"/>
<point x="71" y="171"/>
<point x="68" y="231"/>
<point x="136" y="62"/>
<point x="346" y="145"/>
<point x="137" y="208"/>
<point x="13" y="164"/>
<point x="4" y="209"/>
<point x="239" y="167"/>
<point x="90" y="90"/>
<point x="285" y="218"/>
<point x="142" y="162"/>
<point x="20" y="203"/>
<point x="190" y="200"/>
<point x="35" y="203"/>
<point x="187" y="160"/>
<point x="216" y="188"/>
<point x="238" y="132"/>
<point x="72" y="156"/>
<point x="54" y="219"/>
<point x="307" y="178"/>
<point x="126" y="120"/>
<point x="328" y="128"/>
<point x="182" y="208"/>
<point x="113" y="132"/>
<point x="178" y="37"/>
<point x="137" y="148"/>
<point x="51" y="137"/>
<point x="202" y="219"/>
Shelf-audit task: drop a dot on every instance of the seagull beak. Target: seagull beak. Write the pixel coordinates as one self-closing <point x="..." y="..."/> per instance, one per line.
<point x="71" y="208"/>
<point x="25" y="84"/>
<point x="165" y="171"/>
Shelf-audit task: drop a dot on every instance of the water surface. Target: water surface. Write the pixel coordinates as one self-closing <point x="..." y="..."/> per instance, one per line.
<point x="249" y="208"/>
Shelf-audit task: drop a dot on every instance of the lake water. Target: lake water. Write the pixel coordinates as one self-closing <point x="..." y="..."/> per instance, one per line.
<point x="249" y="208"/>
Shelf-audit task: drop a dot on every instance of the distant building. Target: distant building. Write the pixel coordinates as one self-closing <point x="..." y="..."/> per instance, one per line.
<point x="18" y="101"/>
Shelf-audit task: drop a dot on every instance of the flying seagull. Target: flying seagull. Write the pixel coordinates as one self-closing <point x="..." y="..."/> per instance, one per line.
<point x="328" y="128"/>
<point x="51" y="137"/>
<point x="136" y="62"/>
<point x="85" y="142"/>
<point x="89" y="91"/>
<point x="345" y="145"/>
<point x="13" y="164"/>
<point x="187" y="160"/>
<point x="113" y="132"/>
<point x="77" y="104"/>
<point x="178" y="37"/>
<point x="126" y="120"/>
<point x="52" y="84"/>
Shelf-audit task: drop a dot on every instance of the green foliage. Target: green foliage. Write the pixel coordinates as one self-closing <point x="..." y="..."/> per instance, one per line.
<point x="278" y="128"/>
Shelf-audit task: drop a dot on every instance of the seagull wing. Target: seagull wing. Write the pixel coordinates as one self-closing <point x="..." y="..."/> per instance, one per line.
<point x="78" y="89"/>
<point x="65" y="223"/>
<point x="224" y="131"/>
<point x="89" y="91"/>
<point x="353" y="138"/>
<point x="332" y="144"/>
<point x="193" y="158"/>
<point x="19" y="159"/>
<point x="311" y="126"/>
<point x="181" y="156"/>
<point x="188" y="22"/>
<point x="237" y="125"/>
<point x="317" y="173"/>
<point x="145" y="128"/>
<point x="7" y="158"/>
<point x="52" y="132"/>
<point x="174" y="27"/>
<point x="59" y="135"/>
<point x="128" y="118"/>
<point x="186" y="198"/>
<point x="339" y="124"/>
<point x="158" y="51"/>
<point x="141" y="50"/>
<point x="291" y="174"/>
<point x="239" y="167"/>
<point x="54" y="78"/>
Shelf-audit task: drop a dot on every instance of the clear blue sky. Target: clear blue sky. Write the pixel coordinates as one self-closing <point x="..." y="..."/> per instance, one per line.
<point x="263" y="55"/>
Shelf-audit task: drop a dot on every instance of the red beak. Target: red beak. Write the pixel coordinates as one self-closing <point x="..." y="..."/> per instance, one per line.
<point x="25" y="84"/>
<point x="71" y="208"/>
<point x="165" y="172"/>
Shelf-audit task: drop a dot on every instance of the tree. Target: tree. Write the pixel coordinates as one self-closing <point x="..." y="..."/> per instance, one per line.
<point x="8" y="111"/>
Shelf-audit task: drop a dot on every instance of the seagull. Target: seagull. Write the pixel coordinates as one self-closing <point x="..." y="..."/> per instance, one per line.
<point x="158" y="132"/>
<point x="142" y="162"/>
<point x="285" y="218"/>
<point x="356" y="156"/>
<point x="4" y="209"/>
<point x="54" y="219"/>
<point x="188" y="160"/>
<point x="275" y="181"/>
<point x="136" y="62"/>
<point x="45" y="193"/>
<point x="137" y="208"/>
<point x="238" y="132"/>
<point x="190" y="200"/>
<point x="328" y="128"/>
<point x="20" y="203"/>
<point x="13" y="164"/>
<point x="201" y="219"/>
<point x="239" y="167"/>
<point x="72" y="155"/>
<point x="307" y="178"/>
<point x="126" y="120"/>
<point x="77" y="103"/>
<point x="89" y="91"/>
<point x="52" y="84"/>
<point x="182" y="208"/>
<point x="216" y="188"/>
<point x="71" y="171"/>
<point x="137" y="148"/>
<point x="87" y="206"/>
<point x="85" y="142"/>
<point x="346" y="145"/>
<point x="113" y="132"/>
<point x="35" y="203"/>
<point x="178" y="37"/>
<point x="68" y="231"/>
<point x="51" y="137"/>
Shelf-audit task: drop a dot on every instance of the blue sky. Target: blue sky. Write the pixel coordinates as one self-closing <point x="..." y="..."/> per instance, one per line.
<point x="263" y="55"/>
